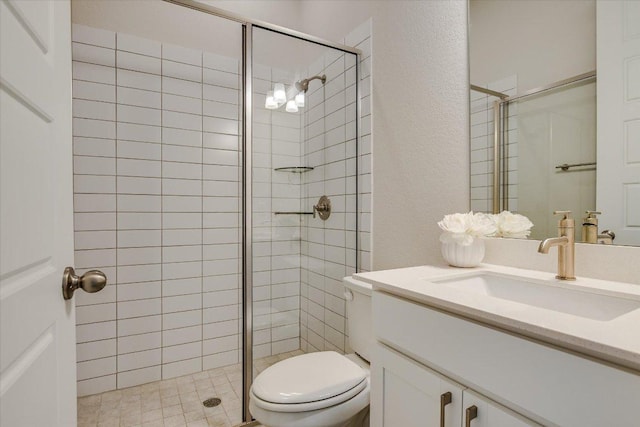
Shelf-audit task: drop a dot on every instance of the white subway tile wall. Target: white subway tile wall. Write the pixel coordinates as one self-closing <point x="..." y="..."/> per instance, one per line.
<point x="157" y="208"/>
<point x="328" y="249"/>
<point x="482" y="146"/>
<point x="157" y="183"/>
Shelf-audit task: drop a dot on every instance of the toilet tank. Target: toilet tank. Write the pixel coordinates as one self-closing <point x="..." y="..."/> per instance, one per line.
<point x="359" y="321"/>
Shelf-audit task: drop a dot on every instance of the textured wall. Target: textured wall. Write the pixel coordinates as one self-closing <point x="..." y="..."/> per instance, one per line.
<point x="420" y="127"/>
<point x="419" y="119"/>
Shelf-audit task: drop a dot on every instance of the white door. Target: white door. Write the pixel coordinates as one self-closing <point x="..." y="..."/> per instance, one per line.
<point x="618" y="52"/>
<point x="37" y="327"/>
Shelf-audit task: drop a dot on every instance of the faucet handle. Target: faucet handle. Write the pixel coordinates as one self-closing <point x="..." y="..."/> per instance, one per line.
<point x="566" y="220"/>
<point x="567" y="214"/>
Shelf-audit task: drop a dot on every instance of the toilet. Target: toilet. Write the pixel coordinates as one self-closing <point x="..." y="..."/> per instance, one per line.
<point x="322" y="389"/>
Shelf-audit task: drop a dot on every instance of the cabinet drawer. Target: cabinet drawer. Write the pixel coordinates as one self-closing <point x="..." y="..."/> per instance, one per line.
<point x="543" y="383"/>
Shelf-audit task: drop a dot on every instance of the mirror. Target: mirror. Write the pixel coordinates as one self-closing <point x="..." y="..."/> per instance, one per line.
<point x="562" y="80"/>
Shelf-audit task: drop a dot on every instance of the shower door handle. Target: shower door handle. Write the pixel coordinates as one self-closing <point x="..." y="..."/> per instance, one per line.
<point x="91" y="281"/>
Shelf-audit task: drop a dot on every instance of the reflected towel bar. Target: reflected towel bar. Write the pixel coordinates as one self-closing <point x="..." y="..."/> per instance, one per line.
<point x="566" y="166"/>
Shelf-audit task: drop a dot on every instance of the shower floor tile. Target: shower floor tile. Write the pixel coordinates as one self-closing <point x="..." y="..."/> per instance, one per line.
<point x="176" y="402"/>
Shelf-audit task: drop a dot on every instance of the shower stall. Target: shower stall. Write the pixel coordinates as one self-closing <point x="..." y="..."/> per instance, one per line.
<point x="216" y="184"/>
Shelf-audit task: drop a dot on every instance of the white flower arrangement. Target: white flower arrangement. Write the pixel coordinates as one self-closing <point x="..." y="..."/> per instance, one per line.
<point x="512" y="225"/>
<point x="463" y="228"/>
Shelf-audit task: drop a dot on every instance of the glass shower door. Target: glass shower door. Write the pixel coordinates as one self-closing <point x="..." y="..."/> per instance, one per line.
<point x="304" y="195"/>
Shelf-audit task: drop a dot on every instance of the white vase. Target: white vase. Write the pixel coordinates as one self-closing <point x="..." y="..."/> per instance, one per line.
<point x="458" y="255"/>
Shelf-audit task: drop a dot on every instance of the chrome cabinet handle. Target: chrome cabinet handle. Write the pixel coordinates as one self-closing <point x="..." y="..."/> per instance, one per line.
<point x="470" y="414"/>
<point x="91" y="281"/>
<point x="445" y="399"/>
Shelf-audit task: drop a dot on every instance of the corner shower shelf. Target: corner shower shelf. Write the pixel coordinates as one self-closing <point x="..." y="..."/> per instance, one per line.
<point x="294" y="169"/>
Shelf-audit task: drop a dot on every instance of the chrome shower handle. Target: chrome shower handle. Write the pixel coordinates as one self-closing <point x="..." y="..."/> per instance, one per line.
<point x="323" y="208"/>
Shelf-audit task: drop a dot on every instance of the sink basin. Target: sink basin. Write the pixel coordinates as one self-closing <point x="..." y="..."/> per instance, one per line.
<point x="534" y="293"/>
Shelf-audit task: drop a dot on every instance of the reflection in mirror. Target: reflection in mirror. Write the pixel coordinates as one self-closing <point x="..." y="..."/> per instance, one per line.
<point x="554" y="165"/>
<point x="541" y="88"/>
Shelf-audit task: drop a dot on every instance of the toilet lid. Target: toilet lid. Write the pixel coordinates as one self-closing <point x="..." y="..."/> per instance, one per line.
<point x="308" y="378"/>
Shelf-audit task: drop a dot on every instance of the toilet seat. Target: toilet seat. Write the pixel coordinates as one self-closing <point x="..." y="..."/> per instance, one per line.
<point x="334" y="416"/>
<point x="308" y="382"/>
<point x="310" y="406"/>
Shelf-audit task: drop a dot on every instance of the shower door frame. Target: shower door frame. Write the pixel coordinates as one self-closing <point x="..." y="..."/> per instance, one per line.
<point x="247" y="150"/>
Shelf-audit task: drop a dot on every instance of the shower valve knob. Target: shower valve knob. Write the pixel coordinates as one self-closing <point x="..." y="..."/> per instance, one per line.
<point x="323" y="208"/>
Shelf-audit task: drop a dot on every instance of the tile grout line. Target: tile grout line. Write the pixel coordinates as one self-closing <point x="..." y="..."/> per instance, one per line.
<point x="202" y="216"/>
<point x="150" y="73"/>
<point x="162" y="161"/>
<point x="115" y="71"/>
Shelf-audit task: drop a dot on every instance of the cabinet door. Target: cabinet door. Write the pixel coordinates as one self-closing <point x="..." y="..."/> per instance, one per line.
<point x="488" y="413"/>
<point x="405" y="393"/>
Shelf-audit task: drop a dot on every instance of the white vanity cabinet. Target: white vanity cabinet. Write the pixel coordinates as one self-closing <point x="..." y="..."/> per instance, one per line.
<point x="406" y="393"/>
<point x="423" y="352"/>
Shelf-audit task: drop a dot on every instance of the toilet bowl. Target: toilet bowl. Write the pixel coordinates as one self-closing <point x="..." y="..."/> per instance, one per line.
<point x="322" y="389"/>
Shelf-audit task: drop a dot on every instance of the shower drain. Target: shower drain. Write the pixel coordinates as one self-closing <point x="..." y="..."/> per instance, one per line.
<point x="210" y="403"/>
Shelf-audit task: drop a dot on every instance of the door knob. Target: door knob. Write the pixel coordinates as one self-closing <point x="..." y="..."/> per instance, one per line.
<point x="91" y="281"/>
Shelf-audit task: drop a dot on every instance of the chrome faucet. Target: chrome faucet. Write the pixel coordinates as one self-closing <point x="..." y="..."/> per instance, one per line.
<point x="566" y="246"/>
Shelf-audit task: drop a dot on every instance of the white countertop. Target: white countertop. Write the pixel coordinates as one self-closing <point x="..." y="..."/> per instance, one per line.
<point x="616" y="340"/>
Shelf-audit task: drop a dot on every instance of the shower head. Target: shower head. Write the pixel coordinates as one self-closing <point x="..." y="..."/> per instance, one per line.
<point x="303" y="85"/>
